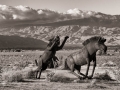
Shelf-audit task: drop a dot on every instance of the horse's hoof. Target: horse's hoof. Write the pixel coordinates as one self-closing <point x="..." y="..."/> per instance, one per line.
<point x="89" y="77"/>
<point x="37" y="77"/>
<point x="81" y="78"/>
<point x="67" y="37"/>
<point x="76" y="81"/>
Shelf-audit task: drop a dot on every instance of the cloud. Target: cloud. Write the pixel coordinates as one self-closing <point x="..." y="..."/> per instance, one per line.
<point x="24" y="14"/>
<point x="18" y="13"/>
<point x="74" y="11"/>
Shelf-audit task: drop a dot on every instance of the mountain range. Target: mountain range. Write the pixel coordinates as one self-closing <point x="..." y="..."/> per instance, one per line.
<point x="78" y="30"/>
<point x="16" y="42"/>
<point x="77" y="24"/>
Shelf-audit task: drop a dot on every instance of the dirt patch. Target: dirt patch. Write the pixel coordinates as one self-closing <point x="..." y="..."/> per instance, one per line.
<point x="23" y="59"/>
<point x="33" y="84"/>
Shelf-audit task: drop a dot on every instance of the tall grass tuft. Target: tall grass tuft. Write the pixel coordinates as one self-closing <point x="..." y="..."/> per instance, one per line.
<point x="116" y="72"/>
<point x="57" y="78"/>
<point x="28" y="73"/>
<point x="12" y="76"/>
<point x="103" y="76"/>
<point x="19" y="75"/>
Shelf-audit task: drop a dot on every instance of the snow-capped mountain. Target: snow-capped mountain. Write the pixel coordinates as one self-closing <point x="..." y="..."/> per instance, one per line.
<point x="43" y="24"/>
<point x="16" y="15"/>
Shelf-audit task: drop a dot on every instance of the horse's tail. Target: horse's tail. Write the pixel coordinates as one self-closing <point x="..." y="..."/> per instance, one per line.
<point x="36" y="62"/>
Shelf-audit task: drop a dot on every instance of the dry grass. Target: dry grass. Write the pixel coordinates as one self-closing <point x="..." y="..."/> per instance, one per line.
<point x="28" y="73"/>
<point x="22" y="60"/>
<point x="19" y="75"/>
<point x="58" y="78"/>
<point x="94" y="87"/>
<point x="105" y="59"/>
<point x="116" y="72"/>
<point x="12" y="76"/>
<point x="103" y="76"/>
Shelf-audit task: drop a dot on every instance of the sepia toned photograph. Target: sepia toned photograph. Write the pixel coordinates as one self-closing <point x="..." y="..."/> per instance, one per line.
<point x="59" y="44"/>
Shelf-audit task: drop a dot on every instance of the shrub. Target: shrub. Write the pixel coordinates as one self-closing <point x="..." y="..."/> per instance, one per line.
<point x="103" y="76"/>
<point x="57" y="78"/>
<point x="49" y="76"/>
<point x="24" y="64"/>
<point x="116" y="72"/>
<point x="28" y="73"/>
<point x="60" y="79"/>
<point x="19" y="75"/>
<point x="12" y="76"/>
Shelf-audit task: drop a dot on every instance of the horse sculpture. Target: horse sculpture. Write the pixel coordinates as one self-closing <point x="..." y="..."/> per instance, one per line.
<point x="48" y="54"/>
<point x="53" y="63"/>
<point x="84" y="56"/>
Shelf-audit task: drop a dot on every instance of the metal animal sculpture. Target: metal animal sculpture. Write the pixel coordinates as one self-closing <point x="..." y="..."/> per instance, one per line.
<point x="49" y="53"/>
<point x="53" y="63"/>
<point x="84" y="56"/>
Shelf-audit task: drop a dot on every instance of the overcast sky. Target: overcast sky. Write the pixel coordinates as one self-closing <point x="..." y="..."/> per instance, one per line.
<point x="15" y="12"/>
<point x="104" y="6"/>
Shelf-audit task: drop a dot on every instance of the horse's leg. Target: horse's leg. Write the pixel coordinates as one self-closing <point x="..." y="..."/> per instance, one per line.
<point x="94" y="63"/>
<point x="39" y="73"/>
<point x="36" y="74"/>
<point x="88" y="65"/>
<point x="78" y="71"/>
<point x="62" y="44"/>
<point x="36" y="71"/>
<point x="36" y="62"/>
<point x="39" y="69"/>
<point x="76" y="74"/>
<point x="72" y="68"/>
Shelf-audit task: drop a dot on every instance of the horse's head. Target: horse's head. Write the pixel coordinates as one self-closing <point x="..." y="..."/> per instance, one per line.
<point x="100" y="44"/>
<point x="57" y="40"/>
<point x="96" y="43"/>
<point x="54" y="39"/>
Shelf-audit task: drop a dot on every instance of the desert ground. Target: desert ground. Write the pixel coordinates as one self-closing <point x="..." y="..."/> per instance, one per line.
<point x="105" y="77"/>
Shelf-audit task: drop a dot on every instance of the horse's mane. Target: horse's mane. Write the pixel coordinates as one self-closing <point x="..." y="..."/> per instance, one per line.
<point x="52" y="40"/>
<point x="93" y="39"/>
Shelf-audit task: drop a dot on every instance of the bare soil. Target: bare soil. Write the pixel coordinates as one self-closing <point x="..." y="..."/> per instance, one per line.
<point x="75" y="84"/>
<point x="6" y="59"/>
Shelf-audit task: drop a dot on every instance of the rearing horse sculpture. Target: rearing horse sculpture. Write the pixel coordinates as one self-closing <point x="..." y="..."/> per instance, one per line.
<point x="84" y="56"/>
<point x="53" y="63"/>
<point x="48" y="54"/>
